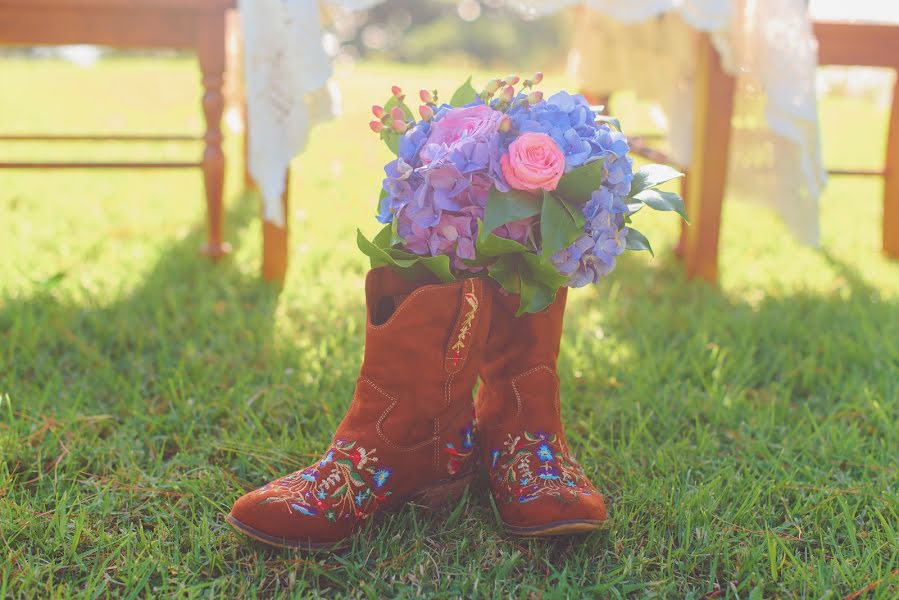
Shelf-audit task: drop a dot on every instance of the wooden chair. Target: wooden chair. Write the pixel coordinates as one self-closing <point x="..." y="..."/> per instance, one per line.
<point x="704" y="184"/>
<point x="197" y="25"/>
<point x="275" y="240"/>
<point x="848" y="44"/>
<point x="871" y="45"/>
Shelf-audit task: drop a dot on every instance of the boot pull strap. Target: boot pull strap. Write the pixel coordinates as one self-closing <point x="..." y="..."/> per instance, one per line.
<point x="462" y="334"/>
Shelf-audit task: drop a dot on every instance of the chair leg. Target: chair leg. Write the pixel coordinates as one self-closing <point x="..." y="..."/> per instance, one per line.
<point x="681" y="247"/>
<point x="708" y="168"/>
<point x="275" y="242"/>
<point x="211" y="54"/>
<point x="891" y="181"/>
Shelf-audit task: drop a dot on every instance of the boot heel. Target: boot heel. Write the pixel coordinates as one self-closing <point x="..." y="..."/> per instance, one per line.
<point x="443" y="492"/>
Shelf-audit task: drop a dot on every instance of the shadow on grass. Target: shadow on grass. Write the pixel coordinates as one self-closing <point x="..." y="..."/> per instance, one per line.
<point x="184" y="312"/>
<point x="192" y="369"/>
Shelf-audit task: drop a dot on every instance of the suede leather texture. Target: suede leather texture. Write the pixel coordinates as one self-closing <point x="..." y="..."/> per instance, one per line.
<point x="535" y="480"/>
<point x="408" y="428"/>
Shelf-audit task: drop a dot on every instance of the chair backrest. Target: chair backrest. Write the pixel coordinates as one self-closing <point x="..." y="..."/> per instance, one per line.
<point x="857" y="44"/>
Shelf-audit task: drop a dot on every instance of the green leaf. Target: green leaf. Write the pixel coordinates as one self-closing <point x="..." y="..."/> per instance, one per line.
<point x="394" y="234"/>
<point x="664" y="201"/>
<point x="558" y="226"/>
<point x="574" y="211"/>
<point x="382" y="239"/>
<point x="505" y="207"/>
<point x="345" y="462"/>
<point x="439" y="266"/>
<point x="577" y="185"/>
<point x="609" y="120"/>
<point x="411" y="266"/>
<point x="464" y="95"/>
<point x="489" y="244"/>
<point x="534" y="296"/>
<point x="541" y="270"/>
<point x="391" y="139"/>
<point x="506" y="271"/>
<point x="637" y="241"/>
<point x="339" y="492"/>
<point x="357" y="478"/>
<point x="652" y="175"/>
<point x="633" y="207"/>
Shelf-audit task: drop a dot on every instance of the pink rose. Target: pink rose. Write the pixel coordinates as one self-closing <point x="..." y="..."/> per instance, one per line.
<point x="477" y="122"/>
<point x="534" y="162"/>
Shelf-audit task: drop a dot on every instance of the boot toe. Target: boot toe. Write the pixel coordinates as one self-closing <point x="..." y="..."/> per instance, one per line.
<point x="552" y="515"/>
<point x="267" y="516"/>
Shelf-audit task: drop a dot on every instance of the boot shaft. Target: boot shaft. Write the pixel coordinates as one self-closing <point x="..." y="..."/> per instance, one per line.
<point x="530" y="339"/>
<point x="518" y="373"/>
<point x="422" y="350"/>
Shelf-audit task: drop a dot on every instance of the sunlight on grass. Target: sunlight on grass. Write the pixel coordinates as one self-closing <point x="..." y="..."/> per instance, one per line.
<point x="744" y="435"/>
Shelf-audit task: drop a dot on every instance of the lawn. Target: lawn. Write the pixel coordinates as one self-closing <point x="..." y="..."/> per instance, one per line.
<point x="745" y="435"/>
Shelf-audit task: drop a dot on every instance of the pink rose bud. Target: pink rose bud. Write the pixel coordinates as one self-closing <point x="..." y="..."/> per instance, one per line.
<point x="508" y="93"/>
<point x="492" y="86"/>
<point x="376" y="126"/>
<point x="426" y="96"/>
<point x="505" y="124"/>
<point x="399" y="126"/>
<point x="397" y="114"/>
<point x="377" y="111"/>
<point x="426" y="112"/>
<point x="537" y="78"/>
<point x="511" y="79"/>
<point x="535" y="97"/>
<point x="396" y="91"/>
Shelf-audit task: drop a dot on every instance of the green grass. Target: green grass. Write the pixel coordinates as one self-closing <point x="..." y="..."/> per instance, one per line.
<point x="745" y="435"/>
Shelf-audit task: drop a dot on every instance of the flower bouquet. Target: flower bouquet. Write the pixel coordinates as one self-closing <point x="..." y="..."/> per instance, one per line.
<point x="535" y="193"/>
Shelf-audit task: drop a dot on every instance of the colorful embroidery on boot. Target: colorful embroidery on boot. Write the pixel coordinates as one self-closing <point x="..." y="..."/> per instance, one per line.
<point x="537" y="466"/>
<point x="463" y="454"/>
<point x="335" y="486"/>
<point x="455" y="353"/>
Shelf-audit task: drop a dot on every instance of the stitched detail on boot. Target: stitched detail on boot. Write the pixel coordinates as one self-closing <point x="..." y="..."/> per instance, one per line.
<point x="531" y="371"/>
<point x="436" y="445"/>
<point x="407" y="301"/>
<point x="460" y="338"/>
<point x="380" y="422"/>
<point x="447" y="390"/>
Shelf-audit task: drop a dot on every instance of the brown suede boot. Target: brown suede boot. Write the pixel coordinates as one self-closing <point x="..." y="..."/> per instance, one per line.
<point x="539" y="488"/>
<point x="407" y="434"/>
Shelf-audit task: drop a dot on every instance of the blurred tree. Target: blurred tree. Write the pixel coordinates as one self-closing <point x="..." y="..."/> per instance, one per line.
<point x="481" y="32"/>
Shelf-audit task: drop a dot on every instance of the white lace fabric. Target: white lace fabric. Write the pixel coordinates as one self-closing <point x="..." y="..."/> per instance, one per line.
<point x="644" y="45"/>
<point x="649" y="46"/>
<point x="286" y="81"/>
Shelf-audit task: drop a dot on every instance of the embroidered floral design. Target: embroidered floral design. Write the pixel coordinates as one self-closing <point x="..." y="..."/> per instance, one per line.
<point x="461" y="455"/>
<point x="465" y="327"/>
<point x="335" y="486"/>
<point x="537" y="466"/>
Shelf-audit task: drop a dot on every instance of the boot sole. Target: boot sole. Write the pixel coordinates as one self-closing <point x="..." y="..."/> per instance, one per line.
<point x="434" y="496"/>
<point x="556" y="528"/>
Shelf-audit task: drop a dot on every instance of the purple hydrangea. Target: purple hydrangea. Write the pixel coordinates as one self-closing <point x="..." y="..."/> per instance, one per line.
<point x="438" y="186"/>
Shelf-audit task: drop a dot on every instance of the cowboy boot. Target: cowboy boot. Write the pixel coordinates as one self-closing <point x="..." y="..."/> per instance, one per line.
<point x="539" y="489"/>
<point x="407" y="434"/>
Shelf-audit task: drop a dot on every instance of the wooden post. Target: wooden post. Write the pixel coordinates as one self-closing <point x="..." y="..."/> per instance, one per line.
<point x="891" y="181"/>
<point x="681" y="247"/>
<point x="275" y="242"/>
<point x="708" y="162"/>
<point x="211" y="55"/>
